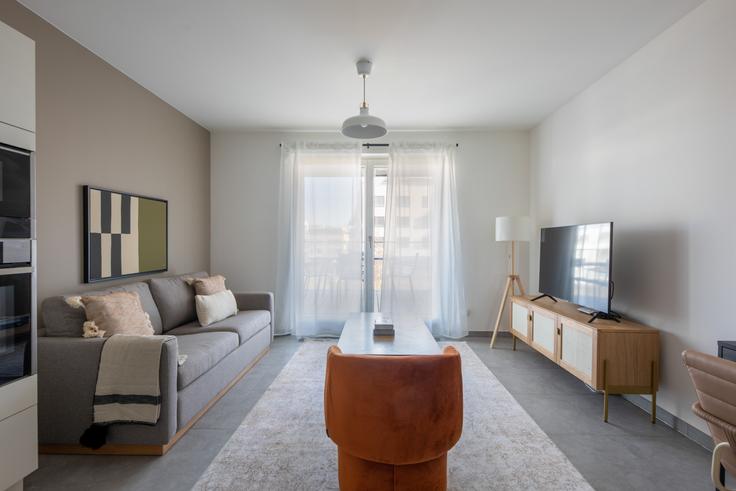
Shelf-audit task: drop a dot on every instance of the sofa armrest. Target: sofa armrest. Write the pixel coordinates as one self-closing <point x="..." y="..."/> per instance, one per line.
<point x="256" y="301"/>
<point x="67" y="376"/>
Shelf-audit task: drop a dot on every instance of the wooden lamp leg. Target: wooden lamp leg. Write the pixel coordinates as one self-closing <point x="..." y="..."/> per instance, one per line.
<point x="517" y="279"/>
<point x="509" y="286"/>
<point x="512" y="281"/>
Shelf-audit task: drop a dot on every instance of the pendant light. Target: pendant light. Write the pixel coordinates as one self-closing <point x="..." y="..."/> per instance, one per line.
<point x="364" y="126"/>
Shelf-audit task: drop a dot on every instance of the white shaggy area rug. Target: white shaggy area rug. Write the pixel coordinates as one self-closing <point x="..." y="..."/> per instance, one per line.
<point x="282" y="445"/>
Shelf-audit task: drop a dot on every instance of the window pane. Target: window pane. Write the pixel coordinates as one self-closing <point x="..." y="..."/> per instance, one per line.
<point x="380" y="182"/>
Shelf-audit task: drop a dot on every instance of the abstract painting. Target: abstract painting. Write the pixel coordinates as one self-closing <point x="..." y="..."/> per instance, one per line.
<point x="124" y="234"/>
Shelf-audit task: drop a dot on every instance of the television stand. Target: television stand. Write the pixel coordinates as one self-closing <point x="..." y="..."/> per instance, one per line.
<point x="612" y="357"/>
<point x="603" y="315"/>
<point x="539" y="297"/>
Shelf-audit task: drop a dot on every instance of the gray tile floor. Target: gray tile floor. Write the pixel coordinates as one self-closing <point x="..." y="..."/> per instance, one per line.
<point x="626" y="453"/>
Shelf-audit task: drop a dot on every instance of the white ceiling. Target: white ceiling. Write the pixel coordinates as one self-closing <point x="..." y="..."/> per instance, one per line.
<point x="438" y="64"/>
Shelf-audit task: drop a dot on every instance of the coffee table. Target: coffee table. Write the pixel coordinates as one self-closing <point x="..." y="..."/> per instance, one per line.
<point x="412" y="337"/>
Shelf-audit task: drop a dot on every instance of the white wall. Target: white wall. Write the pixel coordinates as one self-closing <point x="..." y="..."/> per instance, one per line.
<point x="652" y="146"/>
<point x="492" y="179"/>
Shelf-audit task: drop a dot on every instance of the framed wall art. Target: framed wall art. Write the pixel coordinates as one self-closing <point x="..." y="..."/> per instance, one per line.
<point x="125" y="234"/>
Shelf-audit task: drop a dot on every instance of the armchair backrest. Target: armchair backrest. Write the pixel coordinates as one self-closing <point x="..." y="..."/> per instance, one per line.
<point x="394" y="409"/>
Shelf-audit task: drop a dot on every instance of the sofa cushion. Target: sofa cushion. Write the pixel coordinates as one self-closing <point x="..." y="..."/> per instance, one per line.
<point x="216" y="307"/>
<point x="246" y="324"/>
<point x="175" y="299"/>
<point x="209" y="286"/>
<point x="118" y="313"/>
<point x="204" y="351"/>
<point x="61" y="319"/>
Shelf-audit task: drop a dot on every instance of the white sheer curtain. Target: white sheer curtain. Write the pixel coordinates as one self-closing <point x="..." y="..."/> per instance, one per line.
<point x="422" y="268"/>
<point x="320" y="238"/>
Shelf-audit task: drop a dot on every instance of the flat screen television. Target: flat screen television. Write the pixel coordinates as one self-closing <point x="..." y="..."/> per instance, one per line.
<point x="575" y="264"/>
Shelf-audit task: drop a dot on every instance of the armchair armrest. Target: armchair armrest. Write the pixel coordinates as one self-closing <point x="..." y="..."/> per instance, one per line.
<point x="67" y="376"/>
<point x="728" y="429"/>
<point x="256" y="301"/>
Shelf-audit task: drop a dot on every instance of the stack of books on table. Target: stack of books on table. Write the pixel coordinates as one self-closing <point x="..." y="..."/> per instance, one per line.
<point x="383" y="326"/>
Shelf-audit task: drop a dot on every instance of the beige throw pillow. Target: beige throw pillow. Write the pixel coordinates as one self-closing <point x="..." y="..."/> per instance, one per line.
<point x="215" y="307"/>
<point x="209" y="286"/>
<point x="118" y="313"/>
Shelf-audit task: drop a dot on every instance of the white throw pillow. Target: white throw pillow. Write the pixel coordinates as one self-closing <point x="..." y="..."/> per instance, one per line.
<point x="215" y="307"/>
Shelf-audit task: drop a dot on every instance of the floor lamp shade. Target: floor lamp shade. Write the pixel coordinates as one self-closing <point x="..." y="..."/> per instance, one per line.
<point x="510" y="229"/>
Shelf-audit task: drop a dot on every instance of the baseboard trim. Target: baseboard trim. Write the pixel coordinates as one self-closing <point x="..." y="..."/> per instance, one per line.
<point x="684" y="428"/>
<point x="156" y="450"/>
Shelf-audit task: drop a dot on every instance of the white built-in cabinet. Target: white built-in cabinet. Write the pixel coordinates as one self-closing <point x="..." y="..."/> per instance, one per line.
<point x="18" y="399"/>
<point x="18" y="430"/>
<point x="17" y="89"/>
<point x="616" y="358"/>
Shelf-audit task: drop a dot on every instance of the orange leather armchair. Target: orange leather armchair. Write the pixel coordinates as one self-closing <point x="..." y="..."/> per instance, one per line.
<point x="714" y="380"/>
<point x="393" y="418"/>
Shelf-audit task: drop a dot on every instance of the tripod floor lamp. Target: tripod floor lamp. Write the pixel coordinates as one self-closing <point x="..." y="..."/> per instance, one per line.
<point x="510" y="229"/>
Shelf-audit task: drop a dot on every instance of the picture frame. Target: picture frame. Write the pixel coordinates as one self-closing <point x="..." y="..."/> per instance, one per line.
<point x="125" y="234"/>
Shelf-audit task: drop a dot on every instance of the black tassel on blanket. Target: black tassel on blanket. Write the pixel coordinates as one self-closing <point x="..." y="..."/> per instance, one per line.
<point x="94" y="437"/>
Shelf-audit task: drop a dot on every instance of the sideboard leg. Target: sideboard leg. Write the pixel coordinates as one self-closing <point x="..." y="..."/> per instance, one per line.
<point x="514" y="345"/>
<point x="654" y="407"/>
<point x="654" y="393"/>
<point x="605" y="394"/>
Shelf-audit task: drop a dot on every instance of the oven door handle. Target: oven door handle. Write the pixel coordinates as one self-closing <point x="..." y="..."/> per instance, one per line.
<point x="9" y="271"/>
<point x="15" y="150"/>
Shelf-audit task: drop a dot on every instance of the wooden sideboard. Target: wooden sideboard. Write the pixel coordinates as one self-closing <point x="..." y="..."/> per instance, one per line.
<point x="612" y="357"/>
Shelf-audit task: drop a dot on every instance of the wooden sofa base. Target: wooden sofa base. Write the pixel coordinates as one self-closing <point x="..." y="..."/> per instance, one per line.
<point x="131" y="449"/>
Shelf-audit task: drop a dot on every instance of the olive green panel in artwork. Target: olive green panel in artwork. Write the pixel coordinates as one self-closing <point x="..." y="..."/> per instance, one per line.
<point x="151" y="234"/>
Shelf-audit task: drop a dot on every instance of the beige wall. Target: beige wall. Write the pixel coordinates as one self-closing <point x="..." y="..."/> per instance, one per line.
<point x="96" y="126"/>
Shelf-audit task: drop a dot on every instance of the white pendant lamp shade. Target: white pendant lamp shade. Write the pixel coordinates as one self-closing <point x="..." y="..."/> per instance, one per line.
<point x="513" y="229"/>
<point x="364" y="126"/>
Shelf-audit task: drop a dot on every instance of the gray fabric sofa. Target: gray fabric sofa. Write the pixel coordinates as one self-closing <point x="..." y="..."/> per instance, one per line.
<point x="216" y="356"/>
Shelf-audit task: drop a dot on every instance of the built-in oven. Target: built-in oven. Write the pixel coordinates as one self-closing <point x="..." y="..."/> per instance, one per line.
<point x="17" y="264"/>
<point x="16" y="198"/>
<point x="17" y="326"/>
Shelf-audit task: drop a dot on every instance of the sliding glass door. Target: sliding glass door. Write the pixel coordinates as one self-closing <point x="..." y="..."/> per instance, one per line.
<point x="371" y="232"/>
<point x="375" y="168"/>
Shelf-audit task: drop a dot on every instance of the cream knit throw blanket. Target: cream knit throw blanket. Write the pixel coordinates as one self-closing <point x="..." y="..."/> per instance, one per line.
<point x="128" y="388"/>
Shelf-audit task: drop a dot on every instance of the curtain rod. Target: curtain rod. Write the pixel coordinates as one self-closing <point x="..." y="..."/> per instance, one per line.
<point x="369" y="145"/>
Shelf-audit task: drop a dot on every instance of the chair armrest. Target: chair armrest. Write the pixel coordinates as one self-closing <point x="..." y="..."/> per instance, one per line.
<point x="256" y="301"/>
<point x="728" y="429"/>
<point x="67" y="377"/>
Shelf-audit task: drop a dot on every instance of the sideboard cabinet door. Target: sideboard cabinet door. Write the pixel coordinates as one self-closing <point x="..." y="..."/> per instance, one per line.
<point x="544" y="334"/>
<point x="520" y="321"/>
<point x="576" y="350"/>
